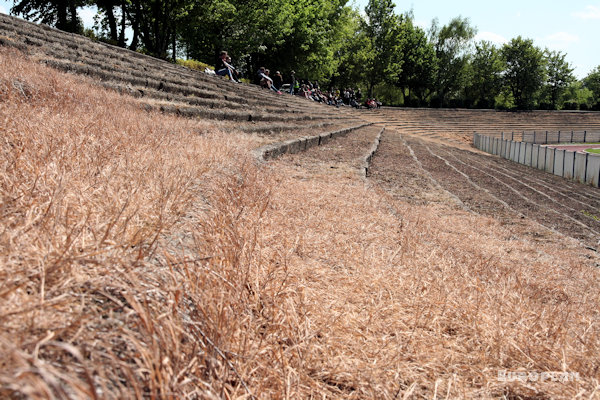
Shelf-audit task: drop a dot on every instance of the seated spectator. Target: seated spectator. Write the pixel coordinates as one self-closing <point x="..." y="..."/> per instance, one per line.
<point x="277" y="80"/>
<point x="304" y="92"/>
<point x="370" y="103"/>
<point x="223" y="68"/>
<point x="265" y="80"/>
<point x="236" y="74"/>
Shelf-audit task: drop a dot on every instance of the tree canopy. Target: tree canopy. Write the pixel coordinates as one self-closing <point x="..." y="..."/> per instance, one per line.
<point x="379" y="50"/>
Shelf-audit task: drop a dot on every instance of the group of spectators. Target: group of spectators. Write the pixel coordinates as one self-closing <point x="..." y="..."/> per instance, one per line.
<point x="303" y="88"/>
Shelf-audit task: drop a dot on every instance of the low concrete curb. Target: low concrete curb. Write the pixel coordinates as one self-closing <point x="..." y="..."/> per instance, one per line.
<point x="369" y="157"/>
<point x="293" y="146"/>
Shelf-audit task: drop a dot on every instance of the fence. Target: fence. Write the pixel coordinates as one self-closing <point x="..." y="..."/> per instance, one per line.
<point x="548" y="137"/>
<point x="581" y="167"/>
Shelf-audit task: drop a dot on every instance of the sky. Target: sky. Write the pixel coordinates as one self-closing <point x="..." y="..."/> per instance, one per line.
<point x="571" y="27"/>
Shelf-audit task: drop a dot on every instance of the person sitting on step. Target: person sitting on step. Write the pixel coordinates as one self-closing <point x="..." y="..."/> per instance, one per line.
<point x="223" y="68"/>
<point x="265" y="80"/>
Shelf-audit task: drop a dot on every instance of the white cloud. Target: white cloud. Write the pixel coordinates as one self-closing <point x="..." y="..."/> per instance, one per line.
<point x="563" y="37"/>
<point x="591" y="12"/>
<point x="491" y="37"/>
<point x="560" y="40"/>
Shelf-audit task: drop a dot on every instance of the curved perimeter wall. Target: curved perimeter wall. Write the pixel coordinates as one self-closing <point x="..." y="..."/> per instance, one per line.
<point x="584" y="168"/>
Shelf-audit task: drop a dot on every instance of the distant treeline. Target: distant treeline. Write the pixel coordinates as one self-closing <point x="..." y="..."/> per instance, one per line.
<point x="379" y="50"/>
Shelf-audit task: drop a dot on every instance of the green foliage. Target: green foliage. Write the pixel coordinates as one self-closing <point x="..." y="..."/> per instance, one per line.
<point x="304" y="35"/>
<point x="193" y="64"/>
<point x="381" y="27"/>
<point x="61" y="14"/>
<point x="592" y="83"/>
<point x="525" y="72"/>
<point x="452" y="46"/>
<point x="504" y="101"/>
<point x="559" y="76"/>
<point x="389" y="94"/>
<point x="419" y="63"/>
<point x="335" y="44"/>
<point x="484" y="81"/>
<point x="354" y="54"/>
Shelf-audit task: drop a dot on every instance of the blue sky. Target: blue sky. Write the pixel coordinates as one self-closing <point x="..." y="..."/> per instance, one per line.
<point x="568" y="26"/>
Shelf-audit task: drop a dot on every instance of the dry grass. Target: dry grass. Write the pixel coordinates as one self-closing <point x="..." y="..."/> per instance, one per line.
<point x="145" y="255"/>
<point x="414" y="301"/>
<point x="125" y="246"/>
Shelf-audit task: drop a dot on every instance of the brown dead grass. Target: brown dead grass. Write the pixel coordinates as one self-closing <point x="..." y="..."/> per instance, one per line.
<point x="425" y="302"/>
<point x="145" y="255"/>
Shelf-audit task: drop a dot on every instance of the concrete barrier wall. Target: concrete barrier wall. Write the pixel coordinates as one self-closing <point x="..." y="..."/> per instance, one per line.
<point x="541" y="164"/>
<point x="593" y="170"/>
<point x="569" y="165"/>
<point x="544" y="137"/>
<point x="528" y="149"/>
<point x="584" y="168"/>
<point x="522" y="152"/>
<point x="559" y="162"/>
<point x="550" y="160"/>
<point x="580" y="167"/>
<point x="534" y="155"/>
<point x="274" y="150"/>
<point x="513" y="151"/>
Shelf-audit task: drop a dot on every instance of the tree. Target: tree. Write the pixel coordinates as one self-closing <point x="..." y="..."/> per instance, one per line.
<point x="158" y="22"/>
<point x="485" y="75"/>
<point x="559" y="77"/>
<point x="419" y="64"/>
<point x="452" y="46"/>
<point x="524" y="71"/>
<point x="114" y="29"/>
<point x="62" y="14"/>
<point x="304" y="35"/>
<point x="354" y="54"/>
<point x="592" y="83"/>
<point x="381" y="29"/>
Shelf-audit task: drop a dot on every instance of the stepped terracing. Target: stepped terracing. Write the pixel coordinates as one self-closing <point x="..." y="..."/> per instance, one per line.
<point x="148" y="251"/>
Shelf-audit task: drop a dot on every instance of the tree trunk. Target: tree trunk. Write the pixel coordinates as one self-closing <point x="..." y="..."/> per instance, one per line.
<point x="135" y="25"/>
<point x="107" y="5"/>
<point x="61" y="16"/>
<point x="123" y="25"/>
<point x="174" y="47"/>
<point x="74" y="22"/>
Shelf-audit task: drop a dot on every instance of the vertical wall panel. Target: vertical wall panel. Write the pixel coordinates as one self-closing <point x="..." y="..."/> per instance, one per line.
<point x="593" y="170"/>
<point x="535" y="148"/>
<point x="542" y="158"/>
<point x="513" y="151"/>
<point x="528" y="150"/>
<point x="569" y="164"/>
<point x="559" y="159"/>
<point x="579" y="167"/>
<point x="550" y="159"/>
<point x="522" y="152"/>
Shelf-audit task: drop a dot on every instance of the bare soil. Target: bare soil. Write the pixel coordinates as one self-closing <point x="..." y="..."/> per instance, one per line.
<point x="434" y="166"/>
